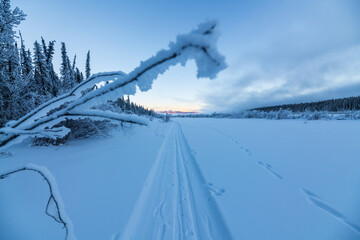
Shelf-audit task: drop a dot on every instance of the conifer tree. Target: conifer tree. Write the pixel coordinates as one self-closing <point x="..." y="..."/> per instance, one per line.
<point x="66" y="73"/>
<point x="78" y="76"/>
<point x="87" y="66"/>
<point x="53" y="76"/>
<point x="44" y="47"/>
<point x="25" y="60"/>
<point x="48" y="52"/>
<point x="74" y="63"/>
<point x="9" y="19"/>
<point x="41" y="74"/>
<point x="9" y="59"/>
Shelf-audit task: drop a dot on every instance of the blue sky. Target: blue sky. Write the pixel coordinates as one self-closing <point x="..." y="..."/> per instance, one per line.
<point x="278" y="51"/>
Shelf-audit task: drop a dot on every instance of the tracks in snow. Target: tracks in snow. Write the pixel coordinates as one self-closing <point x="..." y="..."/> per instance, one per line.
<point x="316" y="201"/>
<point x="269" y="168"/>
<point x="175" y="202"/>
<point x="311" y="197"/>
<point x="266" y="166"/>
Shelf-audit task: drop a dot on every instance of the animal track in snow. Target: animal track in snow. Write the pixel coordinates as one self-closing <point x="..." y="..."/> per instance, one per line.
<point x="316" y="201"/>
<point x="268" y="168"/>
<point x="215" y="190"/>
<point x="243" y="149"/>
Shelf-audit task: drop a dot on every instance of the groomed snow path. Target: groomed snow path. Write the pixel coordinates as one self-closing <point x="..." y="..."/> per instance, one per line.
<point x="175" y="202"/>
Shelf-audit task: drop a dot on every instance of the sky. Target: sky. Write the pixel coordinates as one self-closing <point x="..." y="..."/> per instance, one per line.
<point x="277" y="51"/>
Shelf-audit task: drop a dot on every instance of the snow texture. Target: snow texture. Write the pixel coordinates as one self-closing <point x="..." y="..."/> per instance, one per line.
<point x="264" y="179"/>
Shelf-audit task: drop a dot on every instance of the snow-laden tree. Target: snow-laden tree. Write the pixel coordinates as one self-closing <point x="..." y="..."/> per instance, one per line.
<point x="53" y="78"/>
<point x="9" y="64"/>
<point x="16" y="103"/>
<point x="9" y="19"/>
<point x="78" y="76"/>
<point x="66" y="71"/>
<point x="87" y="65"/>
<point x="41" y="74"/>
<point x="199" y="44"/>
<point x="25" y="60"/>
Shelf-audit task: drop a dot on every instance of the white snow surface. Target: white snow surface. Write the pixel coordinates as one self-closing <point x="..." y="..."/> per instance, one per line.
<point x="193" y="179"/>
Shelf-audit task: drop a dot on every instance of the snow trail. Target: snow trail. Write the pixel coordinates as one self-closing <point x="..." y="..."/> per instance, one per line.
<point x="175" y="202"/>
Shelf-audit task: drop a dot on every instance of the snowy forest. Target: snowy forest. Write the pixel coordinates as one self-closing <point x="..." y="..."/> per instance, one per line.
<point x="28" y="77"/>
<point x="332" y="105"/>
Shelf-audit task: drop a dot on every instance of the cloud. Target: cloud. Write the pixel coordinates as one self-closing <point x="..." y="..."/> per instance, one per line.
<point x="292" y="53"/>
<point x="249" y="85"/>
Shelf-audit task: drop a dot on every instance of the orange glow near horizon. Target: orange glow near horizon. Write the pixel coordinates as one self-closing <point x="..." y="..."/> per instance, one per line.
<point x="160" y="107"/>
<point x="177" y="108"/>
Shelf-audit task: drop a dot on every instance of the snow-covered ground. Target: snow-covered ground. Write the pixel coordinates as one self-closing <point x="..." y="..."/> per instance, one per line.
<point x="193" y="179"/>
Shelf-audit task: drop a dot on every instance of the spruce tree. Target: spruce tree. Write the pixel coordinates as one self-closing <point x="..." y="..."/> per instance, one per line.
<point x="9" y="19"/>
<point x="54" y="79"/>
<point x="9" y="59"/>
<point x="41" y="74"/>
<point x="78" y="76"/>
<point x="87" y="66"/>
<point x="67" y="78"/>
<point x="22" y="98"/>
<point x="25" y="60"/>
<point x="73" y="67"/>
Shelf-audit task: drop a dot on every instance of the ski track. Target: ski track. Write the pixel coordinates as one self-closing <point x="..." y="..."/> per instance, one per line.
<point x="176" y="201"/>
<point x="316" y="201"/>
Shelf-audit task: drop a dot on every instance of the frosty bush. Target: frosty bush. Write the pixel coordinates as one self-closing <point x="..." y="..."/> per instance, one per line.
<point x="79" y="129"/>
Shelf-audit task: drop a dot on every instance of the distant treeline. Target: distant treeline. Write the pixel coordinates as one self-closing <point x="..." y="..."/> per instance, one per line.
<point x="122" y="105"/>
<point x="280" y="114"/>
<point x="332" y="105"/>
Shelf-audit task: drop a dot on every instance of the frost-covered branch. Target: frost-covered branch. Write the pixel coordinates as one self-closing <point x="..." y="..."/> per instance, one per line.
<point x="52" y="133"/>
<point x="107" y="115"/>
<point x="200" y="45"/>
<point x="75" y="92"/>
<point x="55" y="199"/>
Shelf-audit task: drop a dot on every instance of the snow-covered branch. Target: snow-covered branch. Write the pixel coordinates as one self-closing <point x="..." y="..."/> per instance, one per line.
<point x="199" y="44"/>
<point x="107" y="115"/>
<point x="55" y="201"/>
<point x="76" y="92"/>
<point x="52" y="133"/>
